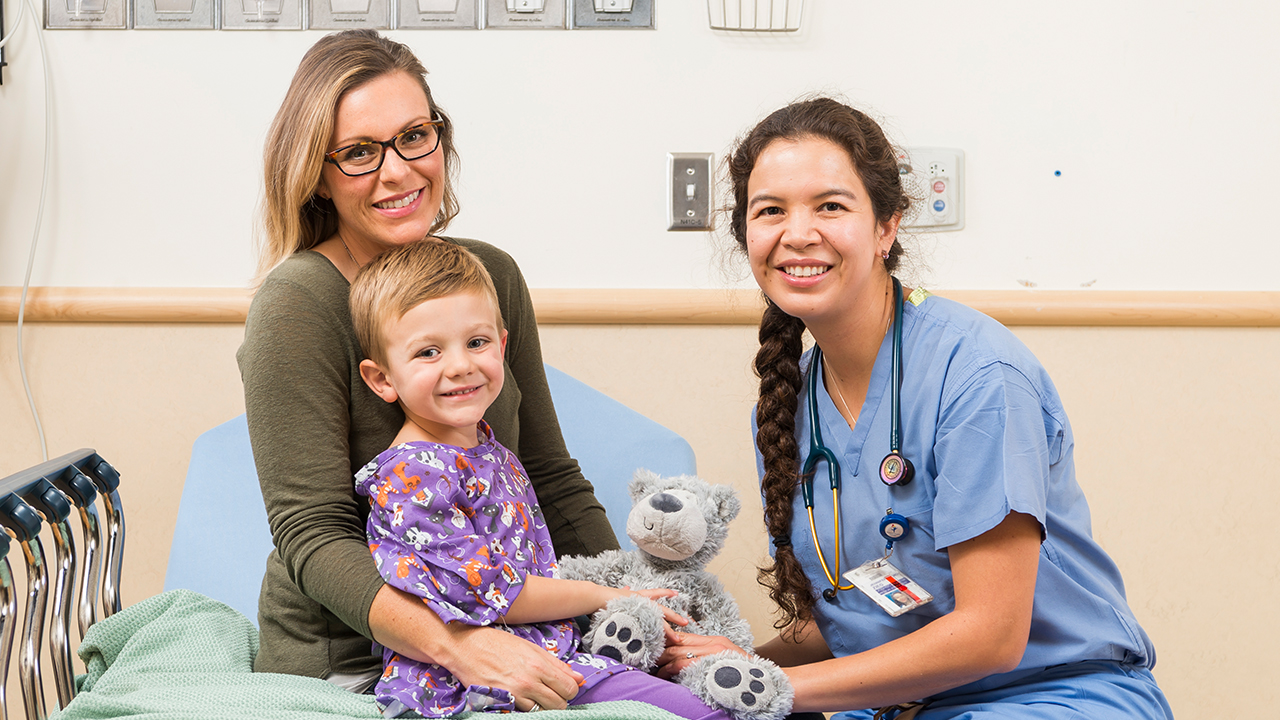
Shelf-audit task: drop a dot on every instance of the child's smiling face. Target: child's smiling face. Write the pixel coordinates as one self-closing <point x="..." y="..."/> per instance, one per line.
<point x="444" y="366"/>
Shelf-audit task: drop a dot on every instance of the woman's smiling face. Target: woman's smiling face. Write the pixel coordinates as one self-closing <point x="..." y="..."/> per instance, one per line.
<point x="399" y="202"/>
<point x="813" y="240"/>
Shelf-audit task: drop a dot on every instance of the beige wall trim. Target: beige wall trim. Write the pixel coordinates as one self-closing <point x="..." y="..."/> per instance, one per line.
<point x="128" y="305"/>
<point x="679" y="307"/>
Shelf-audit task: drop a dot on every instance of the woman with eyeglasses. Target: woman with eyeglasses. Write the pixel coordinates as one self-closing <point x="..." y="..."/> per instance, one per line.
<point x="359" y="160"/>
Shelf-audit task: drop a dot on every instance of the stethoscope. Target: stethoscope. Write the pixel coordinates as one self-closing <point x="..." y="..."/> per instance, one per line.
<point x="895" y="468"/>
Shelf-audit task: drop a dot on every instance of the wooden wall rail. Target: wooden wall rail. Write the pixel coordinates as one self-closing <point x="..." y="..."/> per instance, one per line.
<point x="679" y="307"/>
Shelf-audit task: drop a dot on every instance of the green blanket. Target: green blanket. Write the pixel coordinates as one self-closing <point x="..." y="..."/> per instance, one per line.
<point x="181" y="655"/>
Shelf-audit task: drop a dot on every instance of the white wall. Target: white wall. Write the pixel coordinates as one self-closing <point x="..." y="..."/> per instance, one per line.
<point x="1161" y="117"/>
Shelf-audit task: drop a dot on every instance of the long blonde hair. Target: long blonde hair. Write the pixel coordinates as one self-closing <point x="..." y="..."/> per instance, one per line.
<point x="294" y="218"/>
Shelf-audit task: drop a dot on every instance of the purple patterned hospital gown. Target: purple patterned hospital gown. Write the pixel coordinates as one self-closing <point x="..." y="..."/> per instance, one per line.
<point x="461" y="528"/>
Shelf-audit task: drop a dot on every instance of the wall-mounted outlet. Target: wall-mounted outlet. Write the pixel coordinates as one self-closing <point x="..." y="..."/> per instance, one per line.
<point x="689" y="184"/>
<point x="934" y="180"/>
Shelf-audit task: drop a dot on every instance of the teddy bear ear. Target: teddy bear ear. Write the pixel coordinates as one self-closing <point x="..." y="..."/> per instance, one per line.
<point x="727" y="503"/>
<point x="642" y="484"/>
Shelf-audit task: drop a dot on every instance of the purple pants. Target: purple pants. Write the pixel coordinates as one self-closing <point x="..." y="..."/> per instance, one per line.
<point x="645" y="688"/>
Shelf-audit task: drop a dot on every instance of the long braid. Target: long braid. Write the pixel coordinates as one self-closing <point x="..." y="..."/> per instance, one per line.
<point x="778" y="366"/>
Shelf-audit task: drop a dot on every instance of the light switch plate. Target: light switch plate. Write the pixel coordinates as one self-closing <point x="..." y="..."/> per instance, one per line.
<point x="174" y="15"/>
<point x="689" y="183"/>
<point x="552" y="16"/>
<point x="86" y="14"/>
<point x="934" y="180"/>
<point x="348" y="14"/>
<point x="640" y="16"/>
<point x="261" y="14"/>
<point x="444" y="14"/>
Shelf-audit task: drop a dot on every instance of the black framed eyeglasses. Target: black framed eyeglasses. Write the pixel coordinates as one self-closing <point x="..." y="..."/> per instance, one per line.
<point x="363" y="158"/>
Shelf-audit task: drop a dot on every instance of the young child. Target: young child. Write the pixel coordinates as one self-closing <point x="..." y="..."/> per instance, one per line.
<point x="453" y="518"/>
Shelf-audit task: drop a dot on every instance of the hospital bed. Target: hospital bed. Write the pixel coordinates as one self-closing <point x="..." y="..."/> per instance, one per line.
<point x="216" y="564"/>
<point x="38" y="499"/>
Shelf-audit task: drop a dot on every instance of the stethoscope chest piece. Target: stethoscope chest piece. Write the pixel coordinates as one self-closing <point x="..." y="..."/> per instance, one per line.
<point x="896" y="470"/>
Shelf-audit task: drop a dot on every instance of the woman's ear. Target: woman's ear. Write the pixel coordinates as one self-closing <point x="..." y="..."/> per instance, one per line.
<point x="378" y="381"/>
<point x="889" y="233"/>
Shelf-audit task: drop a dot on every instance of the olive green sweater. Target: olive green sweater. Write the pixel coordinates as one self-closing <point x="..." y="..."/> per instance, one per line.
<point x="313" y="422"/>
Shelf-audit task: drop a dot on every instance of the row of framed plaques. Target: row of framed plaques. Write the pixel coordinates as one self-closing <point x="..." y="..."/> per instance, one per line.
<point x="344" y="14"/>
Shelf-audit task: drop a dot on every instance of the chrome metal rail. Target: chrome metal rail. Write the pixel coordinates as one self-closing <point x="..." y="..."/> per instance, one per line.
<point x="34" y="502"/>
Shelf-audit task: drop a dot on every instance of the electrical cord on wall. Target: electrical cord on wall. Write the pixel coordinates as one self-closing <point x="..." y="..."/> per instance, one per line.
<point x="5" y="38"/>
<point x="44" y="187"/>
<point x="22" y="8"/>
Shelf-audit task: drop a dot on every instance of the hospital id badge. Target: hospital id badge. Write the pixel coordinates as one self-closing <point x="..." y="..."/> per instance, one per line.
<point x="888" y="586"/>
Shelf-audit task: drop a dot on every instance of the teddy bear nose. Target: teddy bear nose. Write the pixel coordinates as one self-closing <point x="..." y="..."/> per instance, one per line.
<point x="666" y="502"/>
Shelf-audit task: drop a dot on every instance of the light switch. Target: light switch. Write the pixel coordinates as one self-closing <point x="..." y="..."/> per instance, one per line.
<point x="525" y="6"/>
<point x="613" y="6"/>
<point x="690" y="182"/>
<point x="437" y="6"/>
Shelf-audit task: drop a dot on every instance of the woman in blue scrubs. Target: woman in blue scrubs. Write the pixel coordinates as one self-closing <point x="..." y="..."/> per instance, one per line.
<point x="1028" y="616"/>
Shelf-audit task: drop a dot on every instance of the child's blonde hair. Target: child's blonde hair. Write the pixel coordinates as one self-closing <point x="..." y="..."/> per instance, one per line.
<point x="403" y="278"/>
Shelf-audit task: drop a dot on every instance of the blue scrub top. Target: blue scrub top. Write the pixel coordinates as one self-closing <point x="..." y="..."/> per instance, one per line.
<point x="985" y="429"/>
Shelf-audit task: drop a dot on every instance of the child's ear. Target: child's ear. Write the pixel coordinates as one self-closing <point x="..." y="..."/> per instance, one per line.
<point x="503" y="341"/>
<point x="378" y="381"/>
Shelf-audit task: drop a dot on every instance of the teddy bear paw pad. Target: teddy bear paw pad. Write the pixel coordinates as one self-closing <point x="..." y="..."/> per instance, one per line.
<point x="739" y="685"/>
<point x="620" y="638"/>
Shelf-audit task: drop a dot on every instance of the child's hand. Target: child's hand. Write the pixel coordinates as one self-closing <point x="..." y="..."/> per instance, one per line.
<point x="671" y="616"/>
<point x="653" y="593"/>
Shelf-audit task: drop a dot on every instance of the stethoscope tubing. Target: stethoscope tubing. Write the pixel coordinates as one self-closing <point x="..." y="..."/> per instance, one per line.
<point x="818" y="451"/>
<point x="895" y="381"/>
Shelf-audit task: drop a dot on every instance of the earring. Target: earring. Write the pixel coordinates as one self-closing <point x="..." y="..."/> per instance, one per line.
<point x="884" y="255"/>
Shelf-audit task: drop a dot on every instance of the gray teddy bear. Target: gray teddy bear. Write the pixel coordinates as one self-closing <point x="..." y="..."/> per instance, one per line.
<point x="679" y="524"/>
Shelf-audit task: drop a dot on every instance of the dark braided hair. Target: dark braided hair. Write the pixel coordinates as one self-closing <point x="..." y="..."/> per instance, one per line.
<point x="778" y="367"/>
<point x="778" y="361"/>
